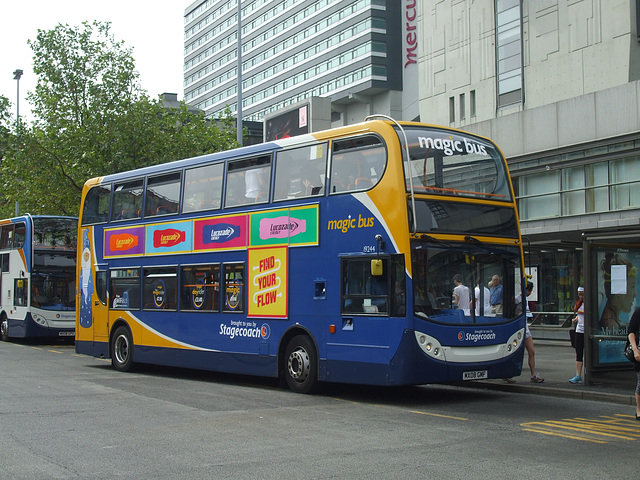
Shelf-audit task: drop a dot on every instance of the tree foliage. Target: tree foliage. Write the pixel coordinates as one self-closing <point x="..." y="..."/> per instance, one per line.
<point x="93" y="119"/>
<point x="5" y="122"/>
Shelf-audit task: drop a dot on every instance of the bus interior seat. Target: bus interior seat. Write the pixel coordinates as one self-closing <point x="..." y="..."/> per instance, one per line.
<point x="127" y="213"/>
<point x="164" y="210"/>
<point x="362" y="183"/>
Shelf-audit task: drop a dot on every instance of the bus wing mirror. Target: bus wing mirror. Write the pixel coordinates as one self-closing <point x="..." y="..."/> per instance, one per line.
<point x="376" y="267"/>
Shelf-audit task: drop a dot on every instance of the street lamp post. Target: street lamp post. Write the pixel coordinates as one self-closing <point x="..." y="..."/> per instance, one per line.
<point x="16" y="76"/>
<point x="239" y="102"/>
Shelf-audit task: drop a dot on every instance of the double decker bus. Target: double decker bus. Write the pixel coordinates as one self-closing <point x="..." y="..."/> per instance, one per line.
<point x="326" y="257"/>
<point x="38" y="276"/>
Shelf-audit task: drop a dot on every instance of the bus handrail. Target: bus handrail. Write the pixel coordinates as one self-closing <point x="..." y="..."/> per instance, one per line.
<point x="404" y="149"/>
<point x="455" y="191"/>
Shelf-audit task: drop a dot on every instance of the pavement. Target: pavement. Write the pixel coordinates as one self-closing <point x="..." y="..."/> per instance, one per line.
<point x="556" y="363"/>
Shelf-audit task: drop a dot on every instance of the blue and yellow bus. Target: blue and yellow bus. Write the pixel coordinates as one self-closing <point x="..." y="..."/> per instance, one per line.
<point x="326" y="257"/>
<point x="38" y="276"/>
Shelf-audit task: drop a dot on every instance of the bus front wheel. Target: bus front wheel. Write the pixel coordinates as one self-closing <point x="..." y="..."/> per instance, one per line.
<point x="4" y="328"/>
<point x="301" y="365"/>
<point x="122" y="349"/>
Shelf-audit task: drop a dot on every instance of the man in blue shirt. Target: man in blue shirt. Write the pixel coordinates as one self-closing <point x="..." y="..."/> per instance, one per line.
<point x="496" y="295"/>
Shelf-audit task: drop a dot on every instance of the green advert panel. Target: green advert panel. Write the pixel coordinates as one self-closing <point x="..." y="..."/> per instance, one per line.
<point x="287" y="226"/>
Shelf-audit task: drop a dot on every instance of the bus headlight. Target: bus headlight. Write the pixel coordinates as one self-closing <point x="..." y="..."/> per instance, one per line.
<point x="514" y="342"/>
<point x="430" y="345"/>
<point x="39" y="319"/>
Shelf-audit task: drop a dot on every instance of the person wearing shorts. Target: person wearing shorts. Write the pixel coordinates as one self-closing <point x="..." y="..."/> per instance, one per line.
<point x="578" y="321"/>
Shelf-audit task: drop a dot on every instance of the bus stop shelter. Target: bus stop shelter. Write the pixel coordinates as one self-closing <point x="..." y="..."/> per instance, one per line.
<point x="611" y="265"/>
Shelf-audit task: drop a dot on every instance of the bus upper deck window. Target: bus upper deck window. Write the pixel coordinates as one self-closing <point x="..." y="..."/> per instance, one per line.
<point x="301" y="172"/>
<point x="127" y="200"/>
<point x="20" y="235"/>
<point x="96" y="205"/>
<point x="203" y="188"/>
<point x="162" y="196"/>
<point x="248" y="181"/>
<point x="357" y="163"/>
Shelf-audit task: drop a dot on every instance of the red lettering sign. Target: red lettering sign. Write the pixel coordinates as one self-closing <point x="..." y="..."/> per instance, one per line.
<point x="412" y="38"/>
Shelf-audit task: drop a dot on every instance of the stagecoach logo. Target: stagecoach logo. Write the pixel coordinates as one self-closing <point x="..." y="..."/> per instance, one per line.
<point x="265" y="331"/>
<point x="168" y="237"/>
<point x="122" y="241"/>
<point x="67" y="316"/>
<point x="281" y="227"/>
<point x="220" y="233"/>
<point x="245" y="329"/>
<point x="450" y="146"/>
<point x="476" y="336"/>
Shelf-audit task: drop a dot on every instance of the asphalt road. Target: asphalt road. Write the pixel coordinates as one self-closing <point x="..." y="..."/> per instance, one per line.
<point x="70" y="416"/>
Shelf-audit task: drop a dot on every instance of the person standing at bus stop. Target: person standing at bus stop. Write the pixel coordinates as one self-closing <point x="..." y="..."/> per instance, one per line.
<point x="578" y="321"/>
<point x="496" y="295"/>
<point x="523" y="304"/>
<point x="634" y="333"/>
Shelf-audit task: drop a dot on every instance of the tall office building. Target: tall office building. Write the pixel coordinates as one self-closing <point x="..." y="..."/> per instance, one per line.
<point x="349" y="51"/>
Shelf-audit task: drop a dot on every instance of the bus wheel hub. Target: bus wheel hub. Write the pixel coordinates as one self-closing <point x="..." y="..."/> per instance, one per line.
<point x="299" y="364"/>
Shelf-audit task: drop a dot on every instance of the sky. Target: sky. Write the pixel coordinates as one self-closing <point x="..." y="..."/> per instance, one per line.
<point x="154" y="30"/>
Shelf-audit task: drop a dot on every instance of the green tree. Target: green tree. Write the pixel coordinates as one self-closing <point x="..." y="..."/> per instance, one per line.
<point x="6" y="142"/>
<point x="91" y="118"/>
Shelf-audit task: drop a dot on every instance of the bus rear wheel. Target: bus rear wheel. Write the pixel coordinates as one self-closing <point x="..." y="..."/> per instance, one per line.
<point x="122" y="350"/>
<point x="4" y="328"/>
<point x="301" y="365"/>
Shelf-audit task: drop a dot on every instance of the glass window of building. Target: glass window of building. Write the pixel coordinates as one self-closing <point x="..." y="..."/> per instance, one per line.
<point x="509" y="51"/>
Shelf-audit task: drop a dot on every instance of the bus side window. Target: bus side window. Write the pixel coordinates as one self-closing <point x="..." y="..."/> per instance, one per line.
<point x="363" y="292"/>
<point x="96" y="205"/>
<point x="203" y="188"/>
<point x="301" y="172"/>
<point x="233" y="290"/>
<point x="200" y="288"/>
<point x="125" y="288"/>
<point x="127" y="200"/>
<point x="20" y="292"/>
<point x="20" y="235"/>
<point x="162" y="195"/>
<point x="160" y="288"/>
<point x="101" y="286"/>
<point x="6" y="236"/>
<point x="357" y="163"/>
<point x="248" y="181"/>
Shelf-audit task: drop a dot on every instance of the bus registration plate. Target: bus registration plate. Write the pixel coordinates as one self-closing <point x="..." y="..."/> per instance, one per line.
<point x="476" y="375"/>
<point x="66" y="334"/>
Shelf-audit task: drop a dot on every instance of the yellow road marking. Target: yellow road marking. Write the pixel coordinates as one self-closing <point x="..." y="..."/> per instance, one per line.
<point x="439" y="415"/>
<point x="598" y="430"/>
<point x="573" y="437"/>
<point x="54" y="351"/>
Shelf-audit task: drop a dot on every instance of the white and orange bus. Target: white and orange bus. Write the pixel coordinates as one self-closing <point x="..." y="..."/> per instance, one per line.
<point x="37" y="283"/>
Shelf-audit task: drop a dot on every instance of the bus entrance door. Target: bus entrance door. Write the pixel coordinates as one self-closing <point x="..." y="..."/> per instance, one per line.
<point x="100" y="308"/>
